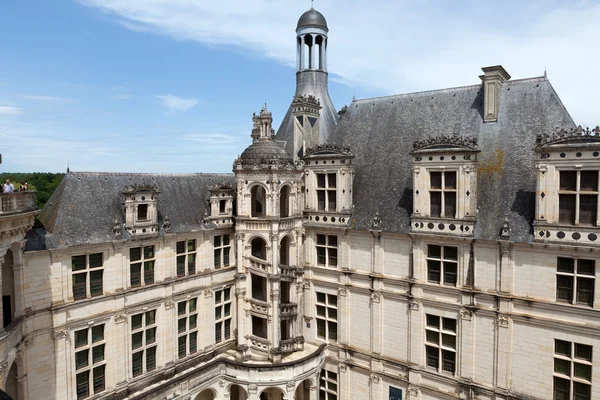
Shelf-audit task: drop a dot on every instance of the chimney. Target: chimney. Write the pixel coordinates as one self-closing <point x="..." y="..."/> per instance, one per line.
<point x="307" y="131"/>
<point x="492" y="78"/>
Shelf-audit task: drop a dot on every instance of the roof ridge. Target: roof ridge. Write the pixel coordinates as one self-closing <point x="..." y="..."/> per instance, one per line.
<point x="92" y="173"/>
<point x="419" y="93"/>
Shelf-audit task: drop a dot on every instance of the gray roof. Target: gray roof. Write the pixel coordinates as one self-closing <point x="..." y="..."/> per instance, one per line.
<point x="312" y="18"/>
<point x="381" y="131"/>
<point x="83" y="208"/>
<point x="264" y="151"/>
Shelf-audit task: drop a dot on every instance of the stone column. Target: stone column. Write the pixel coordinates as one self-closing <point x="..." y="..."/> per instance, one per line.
<point x="466" y="362"/>
<point x="2" y="255"/>
<point x="19" y="296"/>
<point x="314" y="55"/>
<point x="507" y="268"/>
<point x="302" y="51"/>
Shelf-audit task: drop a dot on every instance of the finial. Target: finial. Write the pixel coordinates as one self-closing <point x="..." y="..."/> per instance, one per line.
<point x="312" y="4"/>
<point x="68" y="170"/>
<point x="545" y="75"/>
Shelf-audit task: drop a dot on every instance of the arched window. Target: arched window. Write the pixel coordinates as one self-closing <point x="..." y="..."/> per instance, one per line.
<point x="259" y="200"/>
<point x="259" y="248"/>
<point x="206" y="395"/>
<point x="284" y="202"/>
<point x="284" y="251"/>
<point x="237" y="393"/>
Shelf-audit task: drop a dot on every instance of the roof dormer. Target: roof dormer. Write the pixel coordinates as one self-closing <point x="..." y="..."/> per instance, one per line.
<point x="568" y="169"/>
<point x="141" y="211"/>
<point x="221" y="205"/>
<point x="445" y="185"/>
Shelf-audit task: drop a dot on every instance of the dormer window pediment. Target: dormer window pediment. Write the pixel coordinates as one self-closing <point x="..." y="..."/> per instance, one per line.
<point x="141" y="210"/>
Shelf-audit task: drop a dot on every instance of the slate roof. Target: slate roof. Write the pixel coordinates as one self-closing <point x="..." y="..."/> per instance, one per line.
<point x="83" y="208"/>
<point x="312" y="18"/>
<point x="381" y="131"/>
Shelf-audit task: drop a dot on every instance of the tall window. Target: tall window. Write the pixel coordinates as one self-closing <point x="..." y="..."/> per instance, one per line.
<point x="327" y="250"/>
<point x="186" y="257"/>
<point x="326" y="192"/>
<point x="327" y="316"/>
<point x="258" y="201"/>
<point x="142" y="212"/>
<point x="187" y="327"/>
<point x="442" y="264"/>
<point x="328" y="385"/>
<point x="222" y="315"/>
<point x="259" y="327"/>
<point x="143" y="342"/>
<point x="440" y="343"/>
<point x="572" y="371"/>
<point x="578" y="197"/>
<point x="90" y="363"/>
<point x="222" y="248"/>
<point x="575" y="281"/>
<point x="87" y="273"/>
<point x="442" y="194"/>
<point x="141" y="259"/>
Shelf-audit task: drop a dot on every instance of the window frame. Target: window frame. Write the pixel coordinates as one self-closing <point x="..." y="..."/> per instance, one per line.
<point x="443" y="190"/>
<point x="577" y="193"/>
<point x="438" y="346"/>
<point x="329" y="323"/>
<point x="572" y="359"/>
<point x="190" y="333"/>
<point x="222" y="249"/>
<point x="87" y="272"/>
<point x="89" y="370"/>
<point x="145" y="347"/>
<point x="327" y="191"/>
<point x="327" y="380"/>
<point x="186" y="255"/>
<point x="575" y="276"/>
<point x="443" y="264"/>
<point x="223" y="320"/>
<point x="143" y="261"/>
<point x="327" y="248"/>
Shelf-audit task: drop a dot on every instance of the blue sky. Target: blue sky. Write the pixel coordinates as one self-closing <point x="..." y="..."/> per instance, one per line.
<point x="171" y="85"/>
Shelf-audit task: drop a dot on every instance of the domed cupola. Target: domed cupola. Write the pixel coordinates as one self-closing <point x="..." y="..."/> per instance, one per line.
<point x="263" y="150"/>
<point x="312" y="18"/>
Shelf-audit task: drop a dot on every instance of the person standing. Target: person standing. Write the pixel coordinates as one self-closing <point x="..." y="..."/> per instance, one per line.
<point x="8" y="187"/>
<point x="24" y="187"/>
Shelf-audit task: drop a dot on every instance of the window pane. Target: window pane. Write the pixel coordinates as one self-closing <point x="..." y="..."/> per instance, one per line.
<point x="227" y="294"/>
<point x="451" y="253"/>
<point x="96" y="283"/>
<point x="566" y="265"/>
<point x="218" y="327"/>
<point x="432" y="355"/>
<point x="582" y="391"/>
<point x="450" y="273"/>
<point x="332" y="257"/>
<point x="218" y="294"/>
<point x="449" y="324"/>
<point x="225" y="240"/>
<point x="320" y="328"/>
<point x="331" y="180"/>
<point x="436" y="180"/>
<point x="585" y="291"/>
<point x="583" y="371"/>
<point x="148" y="272"/>
<point x="193" y="321"/>
<point x="180" y="247"/>
<point x="150" y="317"/>
<point x="227" y="309"/>
<point x="588" y="209"/>
<point x="321" y="200"/>
<point x="95" y="260"/>
<point x="332" y="313"/>
<point x="181" y="325"/>
<point x="450" y="180"/>
<point x="332" y="300"/>
<point x="98" y="353"/>
<point x="192" y="305"/>
<point x="191" y="245"/>
<point x="586" y="267"/>
<point x="564" y="288"/>
<point x="321" y="311"/>
<point x="320" y="297"/>
<point x="332" y="241"/>
<point x="150" y="335"/>
<point x="135" y="254"/>
<point x="149" y="252"/>
<point x="563" y="348"/>
<point x="561" y="389"/>
<point x="436" y="204"/>
<point x="77" y="263"/>
<point x="321" y="255"/>
<point x="568" y="180"/>
<point x="81" y="338"/>
<point x="181" y="307"/>
<point x="432" y="337"/>
<point x="181" y="344"/>
<point x="180" y="265"/>
<point x="433" y="321"/>
<point x="136" y="340"/>
<point x="449" y="204"/>
<point x="135" y="274"/>
<point x="434" y="251"/>
<point x="321" y="180"/>
<point x="136" y="321"/>
<point x="433" y="271"/>
<point x="217" y="241"/>
<point x="81" y="359"/>
<point x="449" y="360"/>
<point x="562" y="366"/>
<point x="151" y="359"/>
<point x="227" y="329"/>
<point x="99" y="379"/>
<point x="583" y="352"/>
<point x="332" y="331"/>
<point x="97" y="333"/>
<point x="589" y="181"/>
<point x="449" y="341"/>
<point x="191" y="264"/>
<point x="217" y="258"/>
<point x="136" y="362"/>
<point x="193" y="342"/>
<point x="83" y="382"/>
<point x="566" y="208"/>
<point x="331" y="200"/>
<point x="226" y="256"/>
<point x="79" y="286"/>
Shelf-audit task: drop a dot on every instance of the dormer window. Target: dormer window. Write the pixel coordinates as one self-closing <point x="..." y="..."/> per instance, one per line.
<point x="442" y="194"/>
<point x="142" y="212"/>
<point x="326" y="192"/>
<point x="578" y="197"/>
<point x="222" y="206"/>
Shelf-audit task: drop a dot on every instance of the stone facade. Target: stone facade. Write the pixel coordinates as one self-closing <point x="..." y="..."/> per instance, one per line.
<point x="281" y="281"/>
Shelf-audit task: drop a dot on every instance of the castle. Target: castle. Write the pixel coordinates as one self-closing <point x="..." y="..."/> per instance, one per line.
<point x="432" y="245"/>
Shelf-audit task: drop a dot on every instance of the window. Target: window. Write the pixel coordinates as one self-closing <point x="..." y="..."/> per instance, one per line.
<point x="259" y="327"/>
<point x="90" y="363"/>
<point x="222" y="248"/>
<point x="572" y="371"/>
<point x="187" y="327"/>
<point x="222" y="206"/>
<point x="575" y="281"/>
<point x="141" y="257"/>
<point x="440" y="343"/>
<point x="328" y="385"/>
<point x="87" y="275"/>
<point x="143" y="342"/>
<point x="442" y="264"/>
<point x="326" y="192"/>
<point x="258" y="201"/>
<point x="327" y="250"/>
<point x="222" y="315"/>
<point x="327" y="316"/>
<point x="578" y="197"/>
<point x="142" y="212"/>
<point x="186" y="257"/>
<point x="442" y="194"/>
<point x="259" y="287"/>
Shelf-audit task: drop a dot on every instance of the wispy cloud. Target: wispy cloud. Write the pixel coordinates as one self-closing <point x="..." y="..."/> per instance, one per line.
<point x="53" y="99"/>
<point x="210" y="138"/>
<point x="10" y="110"/>
<point x="174" y="103"/>
<point x="389" y="47"/>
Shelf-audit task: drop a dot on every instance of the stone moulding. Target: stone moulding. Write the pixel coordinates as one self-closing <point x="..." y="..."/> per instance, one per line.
<point x="470" y="143"/>
<point x="328" y="149"/>
<point x="574" y="135"/>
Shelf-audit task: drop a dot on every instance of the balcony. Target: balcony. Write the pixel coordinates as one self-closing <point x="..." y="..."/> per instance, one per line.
<point x="259" y="306"/>
<point x="288" y="310"/>
<point x="259" y="263"/>
<point x="18" y="202"/>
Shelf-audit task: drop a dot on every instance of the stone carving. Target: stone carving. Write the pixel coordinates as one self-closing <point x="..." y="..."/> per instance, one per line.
<point x="120" y="318"/>
<point x="505" y="230"/>
<point x="28" y="341"/>
<point x="167" y="224"/>
<point x="303" y="99"/>
<point x="117" y="230"/>
<point x="132" y="189"/>
<point x="328" y="149"/>
<point x="61" y="334"/>
<point x="207" y="293"/>
<point x="414" y="305"/>
<point x="466" y="314"/>
<point x="343" y="367"/>
<point x="413" y="391"/>
<point x="563" y="135"/>
<point x="374" y="379"/>
<point x="376" y="224"/>
<point x="455" y="140"/>
<point x="169" y="304"/>
<point x="343" y="291"/>
<point x="376" y="297"/>
<point x="503" y="321"/>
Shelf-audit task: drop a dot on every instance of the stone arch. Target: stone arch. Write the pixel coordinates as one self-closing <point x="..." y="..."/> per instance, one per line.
<point x="237" y="392"/>
<point x="258" y="200"/>
<point x="285" y="250"/>
<point x="8" y="289"/>
<point x="206" y="394"/>
<point x="302" y="391"/>
<point x="272" y="393"/>
<point x="285" y="209"/>
<point x="258" y="247"/>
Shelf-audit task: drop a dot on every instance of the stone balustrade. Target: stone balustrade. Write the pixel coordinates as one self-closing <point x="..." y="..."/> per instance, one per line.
<point x="17" y="202"/>
<point x="287" y="310"/>
<point x="259" y="263"/>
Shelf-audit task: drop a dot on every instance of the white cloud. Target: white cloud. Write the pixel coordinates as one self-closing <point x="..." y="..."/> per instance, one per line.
<point x="10" y="110"/>
<point x="53" y="99"/>
<point x="389" y="47"/>
<point x="174" y="103"/>
<point x="210" y="138"/>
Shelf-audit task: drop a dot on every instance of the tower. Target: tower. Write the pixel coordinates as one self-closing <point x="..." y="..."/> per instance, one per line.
<point x="311" y="80"/>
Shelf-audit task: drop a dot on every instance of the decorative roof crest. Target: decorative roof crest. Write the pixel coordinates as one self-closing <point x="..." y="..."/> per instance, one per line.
<point x="220" y="186"/>
<point x="574" y="134"/>
<point x="328" y="149"/>
<point x="446" y="140"/>
<point x="303" y="98"/>
<point x="143" y="187"/>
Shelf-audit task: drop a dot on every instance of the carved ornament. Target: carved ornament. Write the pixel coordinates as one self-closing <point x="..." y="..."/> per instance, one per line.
<point x="466" y="314"/>
<point x="578" y="134"/>
<point x="327" y="149"/>
<point x="414" y="305"/>
<point x="61" y="334"/>
<point x="445" y="140"/>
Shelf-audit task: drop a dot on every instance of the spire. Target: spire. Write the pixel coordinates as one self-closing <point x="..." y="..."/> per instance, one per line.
<point x="262" y="125"/>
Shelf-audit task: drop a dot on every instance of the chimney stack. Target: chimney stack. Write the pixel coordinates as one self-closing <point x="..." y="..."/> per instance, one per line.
<point x="492" y="78"/>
